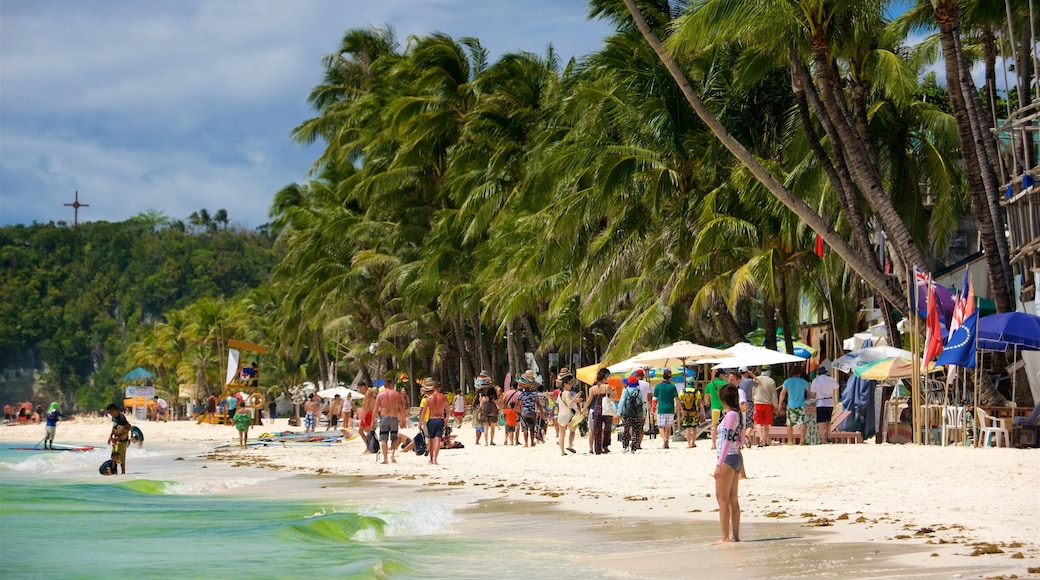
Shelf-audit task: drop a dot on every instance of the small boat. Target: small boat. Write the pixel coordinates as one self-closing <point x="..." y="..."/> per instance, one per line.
<point x="56" y="447"/>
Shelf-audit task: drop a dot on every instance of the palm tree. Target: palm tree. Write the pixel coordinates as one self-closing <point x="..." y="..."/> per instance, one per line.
<point x="867" y="270"/>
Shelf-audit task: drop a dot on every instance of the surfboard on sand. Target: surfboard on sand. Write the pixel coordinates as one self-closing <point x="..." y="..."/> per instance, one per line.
<point x="56" y="447"/>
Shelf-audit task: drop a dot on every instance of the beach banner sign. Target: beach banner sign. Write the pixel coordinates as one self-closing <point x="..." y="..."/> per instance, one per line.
<point x="139" y="391"/>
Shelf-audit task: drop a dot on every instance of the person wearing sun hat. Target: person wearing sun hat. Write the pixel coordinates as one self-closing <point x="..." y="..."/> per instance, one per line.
<point x="530" y="406"/>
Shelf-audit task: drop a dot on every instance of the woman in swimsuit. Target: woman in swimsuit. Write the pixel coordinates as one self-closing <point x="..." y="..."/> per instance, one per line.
<point x="729" y="464"/>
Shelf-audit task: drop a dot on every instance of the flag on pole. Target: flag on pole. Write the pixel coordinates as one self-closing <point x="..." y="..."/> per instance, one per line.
<point x="960" y="307"/>
<point x="960" y="346"/>
<point x="933" y="342"/>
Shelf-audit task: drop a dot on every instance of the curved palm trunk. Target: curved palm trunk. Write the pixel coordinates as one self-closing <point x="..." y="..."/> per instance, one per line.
<point x="863" y="168"/>
<point x="862" y="267"/>
<point x="973" y="154"/>
<point x="769" y="323"/>
<point x="728" y="324"/>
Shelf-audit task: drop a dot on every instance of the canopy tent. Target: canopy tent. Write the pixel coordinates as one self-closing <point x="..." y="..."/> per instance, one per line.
<point x="850" y="361"/>
<point x="743" y="354"/>
<point x="138" y="374"/>
<point x="677" y="353"/>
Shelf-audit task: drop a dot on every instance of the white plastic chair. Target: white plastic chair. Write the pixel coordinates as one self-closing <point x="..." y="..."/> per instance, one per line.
<point x="991" y="426"/>
<point x="953" y="423"/>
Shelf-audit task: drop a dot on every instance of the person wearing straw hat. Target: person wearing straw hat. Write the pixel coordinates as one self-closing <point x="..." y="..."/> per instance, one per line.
<point x="530" y="407"/>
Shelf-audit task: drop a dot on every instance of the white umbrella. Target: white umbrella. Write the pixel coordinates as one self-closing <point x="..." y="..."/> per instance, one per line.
<point x="341" y="391"/>
<point x="743" y="354"/>
<point x="677" y="353"/>
<point x="626" y="365"/>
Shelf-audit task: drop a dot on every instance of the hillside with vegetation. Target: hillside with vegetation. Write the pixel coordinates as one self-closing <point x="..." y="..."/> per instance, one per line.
<point x="73" y="298"/>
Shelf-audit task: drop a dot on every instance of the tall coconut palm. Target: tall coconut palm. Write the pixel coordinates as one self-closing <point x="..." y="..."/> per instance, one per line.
<point x="869" y="271"/>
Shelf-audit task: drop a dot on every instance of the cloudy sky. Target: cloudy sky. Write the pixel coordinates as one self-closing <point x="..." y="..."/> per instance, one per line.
<point x="178" y="105"/>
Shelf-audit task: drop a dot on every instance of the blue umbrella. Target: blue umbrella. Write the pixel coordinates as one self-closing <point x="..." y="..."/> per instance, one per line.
<point x="1009" y="331"/>
<point x="138" y="374"/>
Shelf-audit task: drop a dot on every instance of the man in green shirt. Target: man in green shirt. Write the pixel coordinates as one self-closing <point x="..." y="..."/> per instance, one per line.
<point x="666" y="395"/>
<point x="711" y="394"/>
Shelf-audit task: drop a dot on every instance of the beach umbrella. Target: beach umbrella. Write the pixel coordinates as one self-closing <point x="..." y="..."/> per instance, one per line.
<point x="890" y="368"/>
<point x="587" y="374"/>
<point x="676" y="353"/>
<point x="850" y="361"/>
<point x="627" y="365"/>
<point x="342" y="392"/>
<point x="1009" y="331"/>
<point x="138" y="374"/>
<point x="744" y="354"/>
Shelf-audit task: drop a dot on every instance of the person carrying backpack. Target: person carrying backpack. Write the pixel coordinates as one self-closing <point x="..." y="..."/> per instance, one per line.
<point x="690" y="403"/>
<point x="631" y="407"/>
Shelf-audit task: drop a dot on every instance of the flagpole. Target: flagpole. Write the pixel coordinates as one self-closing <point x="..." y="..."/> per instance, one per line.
<point x="914" y="383"/>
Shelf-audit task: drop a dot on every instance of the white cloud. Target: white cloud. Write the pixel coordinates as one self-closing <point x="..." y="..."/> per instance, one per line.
<point x="180" y="105"/>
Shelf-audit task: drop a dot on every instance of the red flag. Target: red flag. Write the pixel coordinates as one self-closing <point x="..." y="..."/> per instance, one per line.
<point x="933" y="342"/>
<point x="819" y="245"/>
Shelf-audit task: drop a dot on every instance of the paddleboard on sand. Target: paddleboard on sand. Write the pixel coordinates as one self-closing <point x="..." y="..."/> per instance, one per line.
<point x="56" y="447"/>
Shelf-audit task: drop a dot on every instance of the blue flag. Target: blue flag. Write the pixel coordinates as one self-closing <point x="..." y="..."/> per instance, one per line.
<point x="960" y="346"/>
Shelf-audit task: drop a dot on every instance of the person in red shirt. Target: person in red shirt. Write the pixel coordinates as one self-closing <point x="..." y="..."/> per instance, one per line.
<point x="511" y="415"/>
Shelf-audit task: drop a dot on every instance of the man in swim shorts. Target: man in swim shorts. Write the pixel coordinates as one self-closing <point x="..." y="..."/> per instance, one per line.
<point x="437" y="411"/>
<point x="310" y="420"/>
<point x="390" y="410"/>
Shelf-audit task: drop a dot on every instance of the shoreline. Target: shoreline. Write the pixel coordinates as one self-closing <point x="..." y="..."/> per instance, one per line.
<point x="914" y="500"/>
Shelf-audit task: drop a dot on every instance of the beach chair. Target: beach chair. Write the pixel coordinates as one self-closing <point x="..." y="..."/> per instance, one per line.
<point x="990" y="426"/>
<point x="1025" y="431"/>
<point x="836" y="434"/>
<point x="953" y="424"/>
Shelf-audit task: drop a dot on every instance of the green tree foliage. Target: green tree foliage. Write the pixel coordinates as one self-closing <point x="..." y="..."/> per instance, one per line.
<point x="72" y="298"/>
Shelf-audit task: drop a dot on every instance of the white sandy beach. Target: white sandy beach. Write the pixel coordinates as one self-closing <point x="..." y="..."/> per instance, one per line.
<point x="951" y="502"/>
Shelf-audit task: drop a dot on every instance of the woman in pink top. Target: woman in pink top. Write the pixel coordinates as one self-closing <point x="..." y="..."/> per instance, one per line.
<point x="729" y="464"/>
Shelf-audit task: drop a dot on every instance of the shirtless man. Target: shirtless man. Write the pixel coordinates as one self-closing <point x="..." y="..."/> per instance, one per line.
<point x="437" y="407"/>
<point x="310" y="408"/>
<point x="335" y="410"/>
<point x="391" y="410"/>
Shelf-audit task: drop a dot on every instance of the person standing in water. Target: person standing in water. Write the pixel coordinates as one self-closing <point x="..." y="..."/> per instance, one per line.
<point x="243" y="418"/>
<point x="53" y="416"/>
<point x="120" y="436"/>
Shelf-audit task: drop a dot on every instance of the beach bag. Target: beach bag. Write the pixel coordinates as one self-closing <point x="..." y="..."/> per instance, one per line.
<point x="576" y="421"/>
<point x="607" y="407"/>
<point x="372" y="441"/>
<point x="565" y="410"/>
<point x="419" y="444"/>
<point x="633" y="403"/>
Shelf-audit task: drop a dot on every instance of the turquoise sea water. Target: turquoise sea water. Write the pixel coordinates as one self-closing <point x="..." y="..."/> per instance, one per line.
<point x="61" y="519"/>
<point x="177" y="515"/>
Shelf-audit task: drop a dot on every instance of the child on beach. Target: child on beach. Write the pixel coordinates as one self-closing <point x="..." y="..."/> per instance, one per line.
<point x="110" y="467"/>
<point x="511" y="417"/>
<point x="242" y="420"/>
